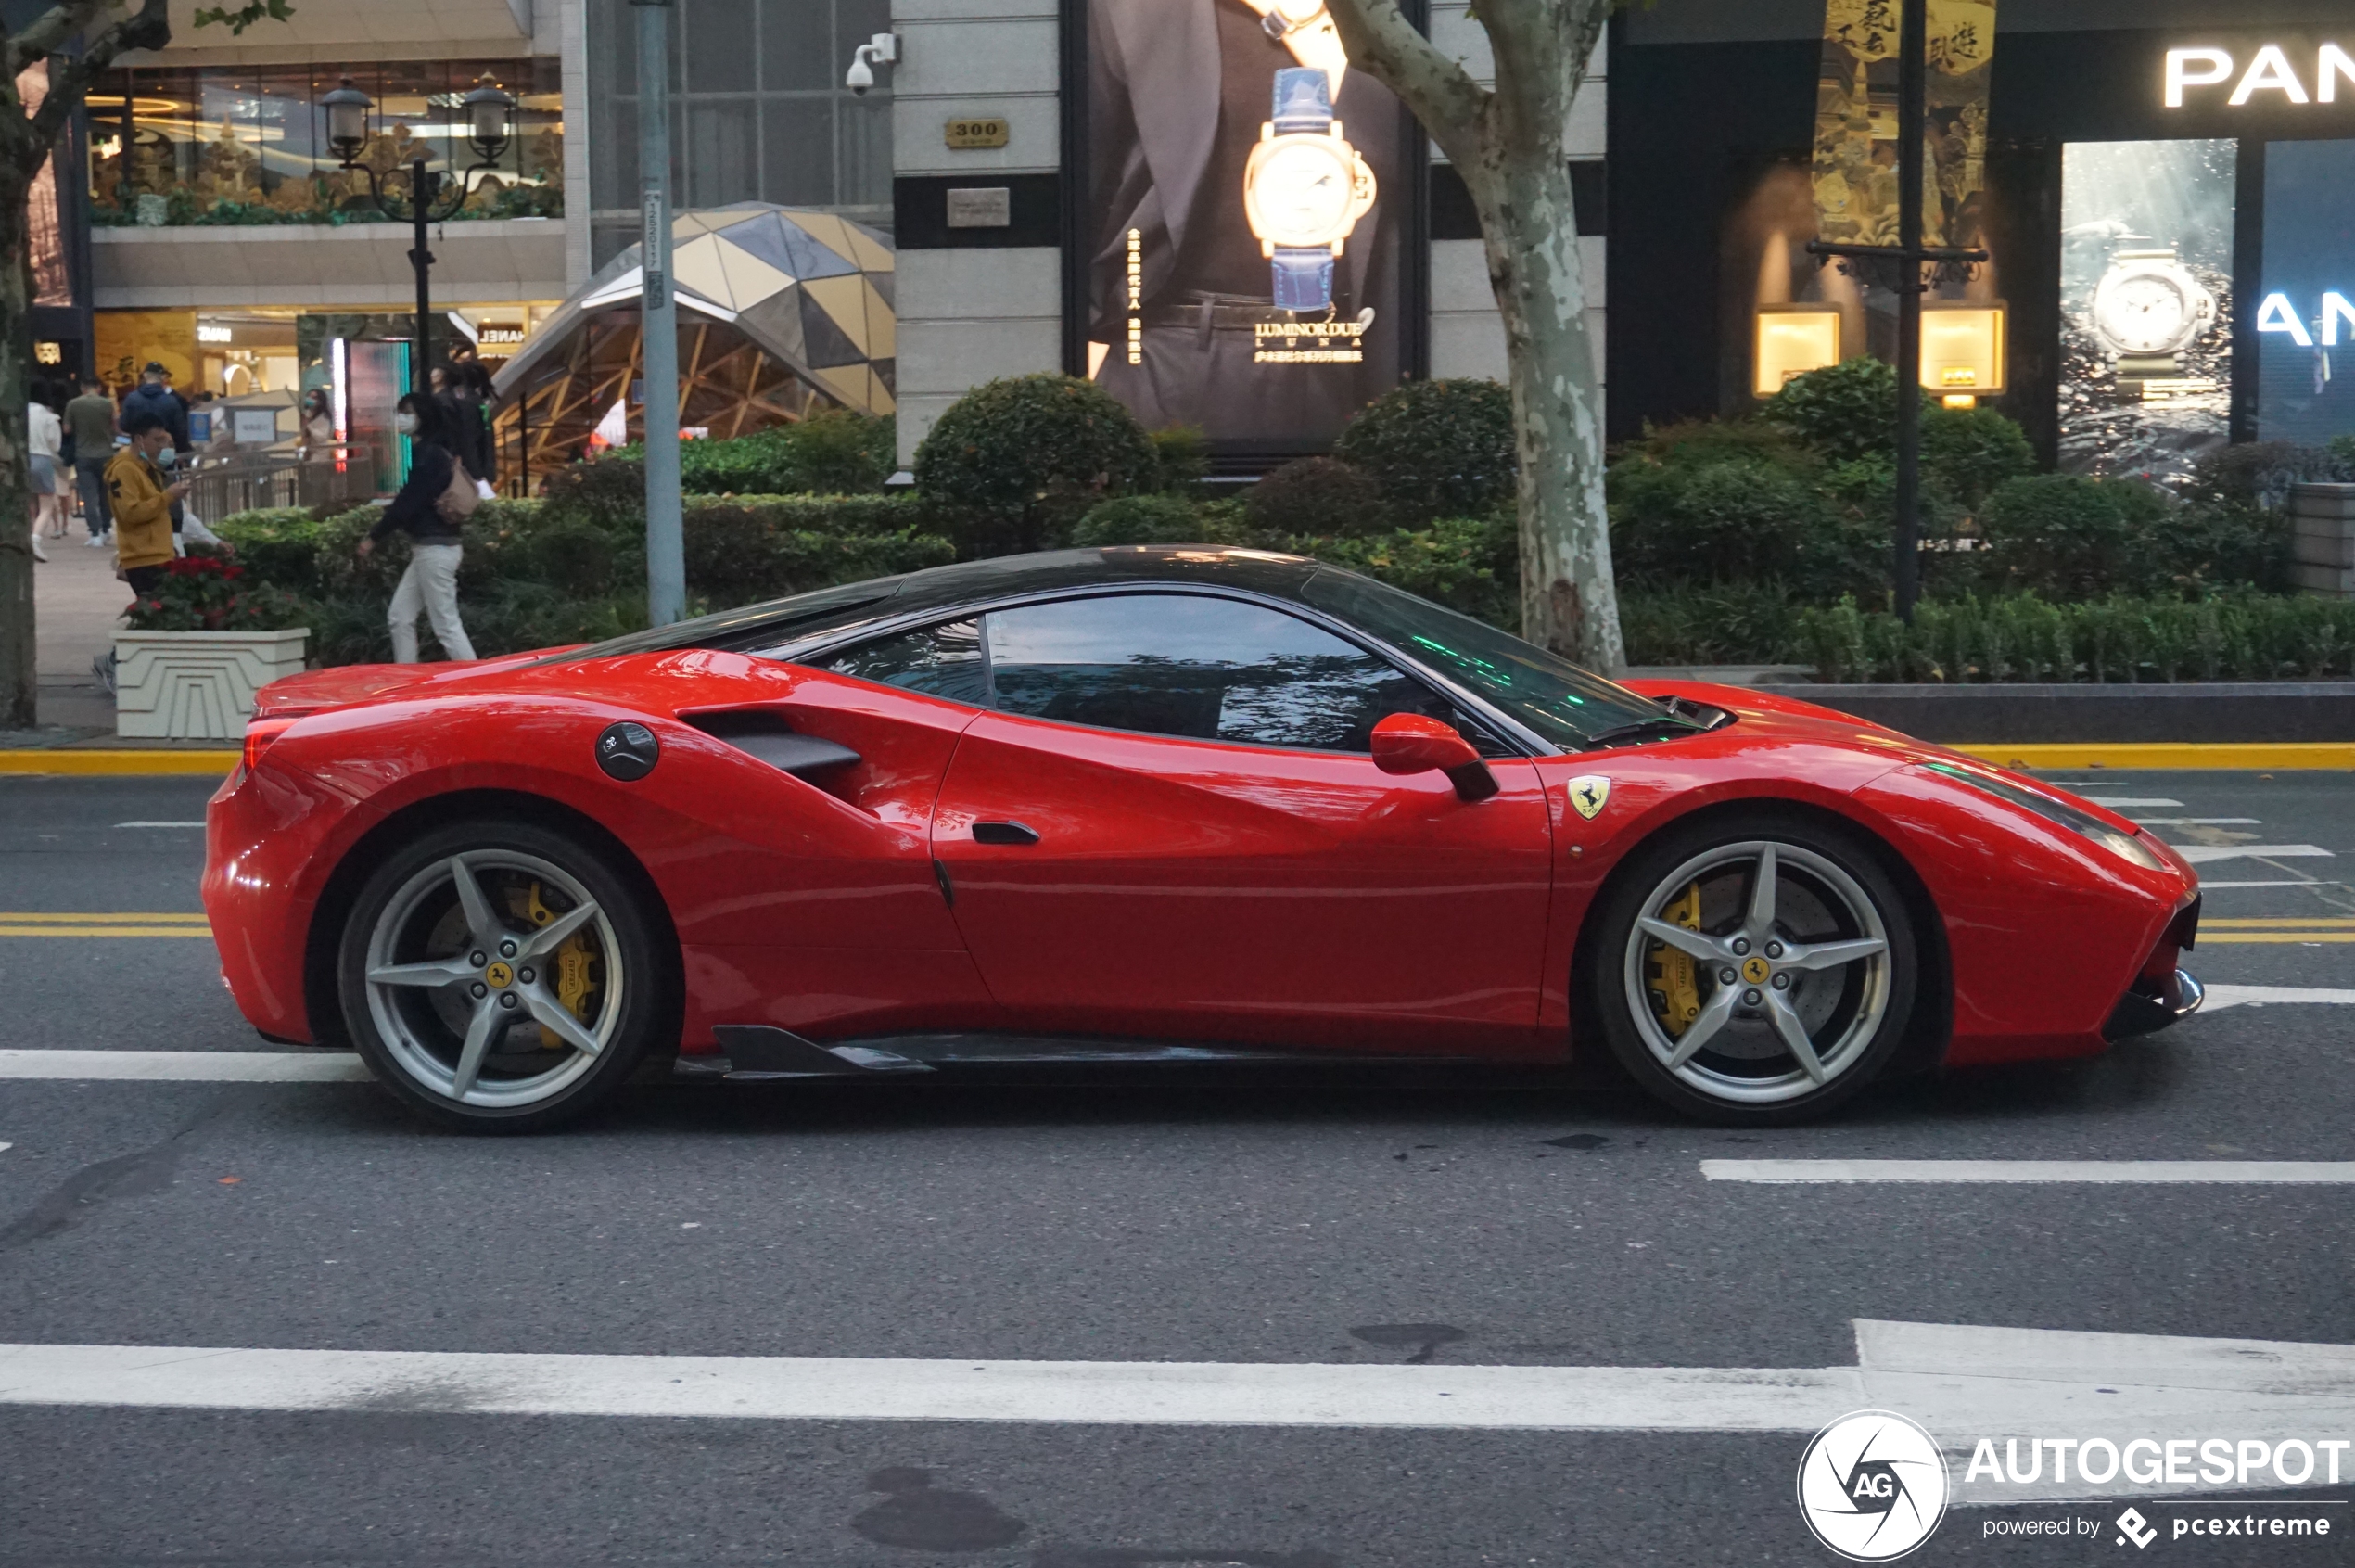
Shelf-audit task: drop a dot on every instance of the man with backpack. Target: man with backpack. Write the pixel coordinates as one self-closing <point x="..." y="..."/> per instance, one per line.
<point x="431" y="508"/>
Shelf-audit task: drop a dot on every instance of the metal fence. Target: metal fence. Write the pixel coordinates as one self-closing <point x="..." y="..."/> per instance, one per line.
<point x="340" y="476"/>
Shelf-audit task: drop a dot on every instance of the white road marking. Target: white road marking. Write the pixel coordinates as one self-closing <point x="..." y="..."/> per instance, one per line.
<point x="2310" y="882"/>
<point x="1962" y="1383"/>
<point x="2134" y="1172"/>
<point x="158" y="825"/>
<point x="2200" y="854"/>
<point x="2259" y="996"/>
<point x="186" y="1067"/>
<point x="2198" y="821"/>
<point x="6" y="1147"/>
<point x="2120" y="802"/>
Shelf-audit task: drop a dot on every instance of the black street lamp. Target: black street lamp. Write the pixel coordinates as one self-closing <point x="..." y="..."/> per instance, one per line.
<point x="490" y="111"/>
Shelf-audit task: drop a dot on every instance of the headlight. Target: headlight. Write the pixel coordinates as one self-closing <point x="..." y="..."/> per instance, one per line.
<point x="2125" y="846"/>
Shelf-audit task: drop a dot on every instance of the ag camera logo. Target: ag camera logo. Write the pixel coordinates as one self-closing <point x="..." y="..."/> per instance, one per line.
<point x="1872" y="1485"/>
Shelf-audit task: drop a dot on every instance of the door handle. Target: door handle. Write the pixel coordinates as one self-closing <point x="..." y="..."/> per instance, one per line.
<point x="1004" y="833"/>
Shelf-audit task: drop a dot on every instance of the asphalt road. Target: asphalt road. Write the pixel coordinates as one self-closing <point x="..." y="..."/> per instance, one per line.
<point x="1301" y="1217"/>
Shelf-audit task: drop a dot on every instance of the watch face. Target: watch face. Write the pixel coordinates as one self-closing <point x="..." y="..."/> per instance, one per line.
<point x="2145" y="312"/>
<point x="1300" y="191"/>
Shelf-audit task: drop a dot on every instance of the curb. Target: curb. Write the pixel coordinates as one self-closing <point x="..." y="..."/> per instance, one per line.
<point x="2166" y="755"/>
<point x="2184" y="713"/>
<point x="124" y="763"/>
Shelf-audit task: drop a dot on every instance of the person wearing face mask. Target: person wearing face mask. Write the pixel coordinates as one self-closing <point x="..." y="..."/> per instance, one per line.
<point x="430" y="583"/>
<point x="141" y="493"/>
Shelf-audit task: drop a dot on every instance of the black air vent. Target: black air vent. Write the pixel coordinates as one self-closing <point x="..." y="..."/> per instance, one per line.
<point x="769" y="738"/>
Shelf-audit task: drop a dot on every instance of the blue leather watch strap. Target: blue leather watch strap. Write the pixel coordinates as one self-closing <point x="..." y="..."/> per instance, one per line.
<point x="1303" y="276"/>
<point x="1303" y="100"/>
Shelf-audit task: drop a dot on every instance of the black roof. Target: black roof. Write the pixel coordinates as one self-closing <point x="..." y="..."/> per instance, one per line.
<point x="810" y="615"/>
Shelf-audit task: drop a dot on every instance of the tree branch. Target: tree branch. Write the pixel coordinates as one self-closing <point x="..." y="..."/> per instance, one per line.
<point x="149" y="28"/>
<point x="1437" y="90"/>
<point x="51" y="30"/>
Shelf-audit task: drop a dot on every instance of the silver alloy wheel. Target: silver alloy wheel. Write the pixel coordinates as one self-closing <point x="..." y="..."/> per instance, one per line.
<point x="451" y="975"/>
<point x="1790" y="966"/>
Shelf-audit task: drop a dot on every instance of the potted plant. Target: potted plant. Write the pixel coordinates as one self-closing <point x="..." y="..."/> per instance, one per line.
<point x="198" y="648"/>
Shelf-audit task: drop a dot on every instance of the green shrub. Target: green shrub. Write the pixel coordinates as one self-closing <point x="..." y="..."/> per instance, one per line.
<point x="1437" y="448"/>
<point x="2069" y="536"/>
<point x="1716" y="623"/>
<point x="1143" y="519"/>
<point x="1181" y="458"/>
<point x="1468" y="564"/>
<point x="1319" y="497"/>
<point x="1035" y="451"/>
<point x="2022" y="637"/>
<point x="1842" y="411"/>
<point x="835" y="452"/>
<point x="2259" y="474"/>
<point x="1968" y="452"/>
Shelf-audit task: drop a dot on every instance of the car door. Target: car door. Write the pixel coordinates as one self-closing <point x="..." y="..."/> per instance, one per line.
<point x="1167" y="824"/>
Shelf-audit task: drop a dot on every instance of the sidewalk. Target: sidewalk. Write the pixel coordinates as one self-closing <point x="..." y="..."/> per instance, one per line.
<point x="76" y="604"/>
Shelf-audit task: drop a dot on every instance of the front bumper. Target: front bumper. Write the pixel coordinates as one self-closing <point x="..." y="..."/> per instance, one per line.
<point x="2150" y="1008"/>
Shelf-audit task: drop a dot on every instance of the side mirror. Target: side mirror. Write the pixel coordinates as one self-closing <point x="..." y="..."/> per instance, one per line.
<point x="1409" y="742"/>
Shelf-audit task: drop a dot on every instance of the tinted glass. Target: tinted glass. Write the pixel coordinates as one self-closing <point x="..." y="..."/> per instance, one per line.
<point x="942" y="661"/>
<point x="1562" y="703"/>
<point x="751" y="626"/>
<point x="1170" y="664"/>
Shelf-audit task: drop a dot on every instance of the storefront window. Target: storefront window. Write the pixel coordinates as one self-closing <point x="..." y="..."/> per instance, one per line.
<point x="2305" y="322"/>
<point x="234" y="144"/>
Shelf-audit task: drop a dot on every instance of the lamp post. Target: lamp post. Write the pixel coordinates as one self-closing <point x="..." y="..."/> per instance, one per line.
<point x="659" y="321"/>
<point x="1899" y="267"/>
<point x="490" y="111"/>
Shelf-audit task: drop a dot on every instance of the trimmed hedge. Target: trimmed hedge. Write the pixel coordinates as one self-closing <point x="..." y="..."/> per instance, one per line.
<point x="2236" y="637"/>
<point x="837" y="451"/>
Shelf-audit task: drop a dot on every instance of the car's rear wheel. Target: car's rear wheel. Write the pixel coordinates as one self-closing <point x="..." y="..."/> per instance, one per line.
<point x="498" y="976"/>
<point x="1754" y="968"/>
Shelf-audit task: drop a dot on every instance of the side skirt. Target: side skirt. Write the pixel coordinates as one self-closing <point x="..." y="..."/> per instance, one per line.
<point x="757" y="1052"/>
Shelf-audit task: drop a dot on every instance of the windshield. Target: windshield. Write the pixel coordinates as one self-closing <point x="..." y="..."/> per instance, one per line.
<point x="1562" y="704"/>
<point x="748" y="626"/>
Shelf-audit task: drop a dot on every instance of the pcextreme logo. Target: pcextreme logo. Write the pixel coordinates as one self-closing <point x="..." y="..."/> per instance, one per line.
<point x="1872" y="1485"/>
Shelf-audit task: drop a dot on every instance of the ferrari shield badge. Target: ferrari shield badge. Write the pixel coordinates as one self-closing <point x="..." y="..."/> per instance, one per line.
<point x="1590" y="793"/>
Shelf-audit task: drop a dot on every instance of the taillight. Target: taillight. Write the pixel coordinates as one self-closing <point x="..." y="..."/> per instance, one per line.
<point x="260" y="735"/>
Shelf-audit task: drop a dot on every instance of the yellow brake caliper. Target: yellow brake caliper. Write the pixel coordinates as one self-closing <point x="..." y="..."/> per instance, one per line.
<point x="575" y="978"/>
<point x="1675" y="992"/>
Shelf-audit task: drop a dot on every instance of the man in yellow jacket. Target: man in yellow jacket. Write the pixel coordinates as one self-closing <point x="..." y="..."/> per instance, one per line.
<point x="141" y="500"/>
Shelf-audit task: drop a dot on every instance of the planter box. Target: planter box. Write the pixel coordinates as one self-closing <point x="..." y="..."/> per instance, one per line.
<point x="2323" y="527"/>
<point x="2193" y="711"/>
<point x="197" y="685"/>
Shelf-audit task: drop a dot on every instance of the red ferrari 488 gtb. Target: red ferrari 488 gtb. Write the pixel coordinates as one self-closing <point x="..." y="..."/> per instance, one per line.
<point x="1150" y="803"/>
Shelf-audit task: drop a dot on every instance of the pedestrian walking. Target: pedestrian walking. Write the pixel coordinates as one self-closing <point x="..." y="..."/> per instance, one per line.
<point x="470" y="390"/>
<point x="318" y="420"/>
<point x="431" y="508"/>
<point x="46" y="438"/>
<point x="154" y="395"/>
<point x="90" y="426"/>
<point x="141" y="496"/>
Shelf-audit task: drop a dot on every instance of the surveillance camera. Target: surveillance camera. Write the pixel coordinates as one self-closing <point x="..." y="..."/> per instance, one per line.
<point x="861" y="76"/>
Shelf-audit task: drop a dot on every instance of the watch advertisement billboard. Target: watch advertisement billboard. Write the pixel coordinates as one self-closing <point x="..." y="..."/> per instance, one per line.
<point x="2305" y="315"/>
<point x="1243" y="230"/>
<point x="2147" y="305"/>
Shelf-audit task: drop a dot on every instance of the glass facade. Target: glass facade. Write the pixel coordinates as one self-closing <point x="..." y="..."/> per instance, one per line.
<point x="760" y="110"/>
<point x="232" y="145"/>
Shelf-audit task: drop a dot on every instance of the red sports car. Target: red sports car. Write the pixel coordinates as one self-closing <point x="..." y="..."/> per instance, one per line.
<point x="1152" y="803"/>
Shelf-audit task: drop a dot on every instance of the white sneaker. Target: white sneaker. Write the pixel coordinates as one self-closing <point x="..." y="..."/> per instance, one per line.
<point x="97" y="541"/>
<point x="38" y="554"/>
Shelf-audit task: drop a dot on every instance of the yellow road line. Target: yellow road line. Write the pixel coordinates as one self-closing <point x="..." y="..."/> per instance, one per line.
<point x="125" y="761"/>
<point x="134" y="917"/>
<point x="2225" y="939"/>
<point x="2170" y="755"/>
<point x="2254" y="924"/>
<point x="105" y="931"/>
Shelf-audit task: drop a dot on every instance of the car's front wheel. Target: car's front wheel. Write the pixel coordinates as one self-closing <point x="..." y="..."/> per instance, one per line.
<point x="498" y="977"/>
<point x="1754" y="970"/>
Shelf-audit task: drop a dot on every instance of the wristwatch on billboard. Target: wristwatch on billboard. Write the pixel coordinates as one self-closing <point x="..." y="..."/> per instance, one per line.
<point x="2147" y="309"/>
<point x="1307" y="29"/>
<point x="1305" y="187"/>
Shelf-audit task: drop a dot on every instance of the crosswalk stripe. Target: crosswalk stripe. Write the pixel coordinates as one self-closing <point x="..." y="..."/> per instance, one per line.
<point x="185" y="1067"/>
<point x="2201" y="854"/>
<point x="1961" y="1382"/>
<point x="2222" y="996"/>
<point x="2133" y="1172"/>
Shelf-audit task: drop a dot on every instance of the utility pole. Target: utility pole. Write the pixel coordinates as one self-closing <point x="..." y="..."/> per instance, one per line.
<point x="658" y="317"/>
<point x="1899" y="268"/>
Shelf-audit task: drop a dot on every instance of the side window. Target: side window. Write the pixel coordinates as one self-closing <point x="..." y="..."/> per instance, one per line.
<point x="941" y="661"/>
<point x="1175" y="664"/>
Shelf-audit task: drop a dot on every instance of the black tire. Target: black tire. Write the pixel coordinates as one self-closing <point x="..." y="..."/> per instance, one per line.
<point x="1746" y="1069"/>
<point x="414" y="1033"/>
